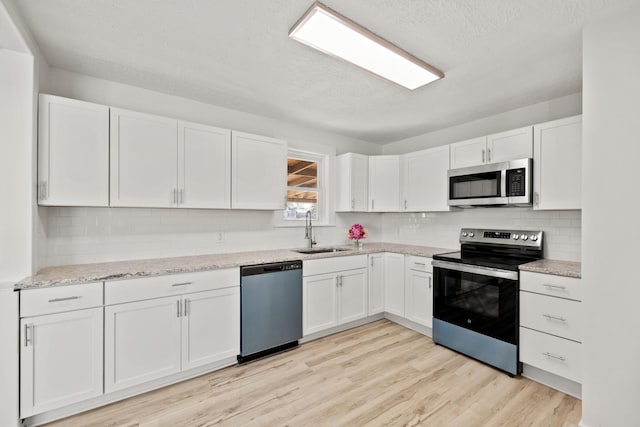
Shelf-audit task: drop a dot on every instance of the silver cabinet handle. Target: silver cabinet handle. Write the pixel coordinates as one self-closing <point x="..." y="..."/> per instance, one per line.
<point x="27" y="331"/>
<point x="42" y="190"/>
<point x="551" y="317"/>
<point x="371" y="260"/>
<point x="562" y="288"/>
<point x="175" y="196"/>
<point x="430" y="279"/>
<point x="554" y="356"/>
<point x="181" y="195"/>
<point x="353" y="203"/>
<point x="483" y="152"/>
<point x="536" y="198"/>
<point x="178" y="308"/>
<point x="488" y="154"/>
<point x="405" y="205"/>
<point x="373" y="204"/>
<point x="182" y="284"/>
<point x="420" y="263"/>
<point x="186" y="304"/>
<point x="337" y="281"/>
<point x="64" y="299"/>
<point x="286" y="199"/>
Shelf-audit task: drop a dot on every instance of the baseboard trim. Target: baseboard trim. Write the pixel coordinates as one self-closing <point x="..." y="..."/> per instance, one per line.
<point x="556" y="382"/>
<point x="421" y="329"/>
<point x="116" y="396"/>
<point x="341" y="328"/>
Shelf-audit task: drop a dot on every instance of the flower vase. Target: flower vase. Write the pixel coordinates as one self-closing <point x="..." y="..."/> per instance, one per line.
<point x="358" y="245"/>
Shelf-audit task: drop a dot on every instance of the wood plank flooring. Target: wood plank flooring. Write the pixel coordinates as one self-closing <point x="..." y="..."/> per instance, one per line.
<point x="380" y="374"/>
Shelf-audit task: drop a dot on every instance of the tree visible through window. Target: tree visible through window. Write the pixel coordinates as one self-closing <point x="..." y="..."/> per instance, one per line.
<point x="303" y="189"/>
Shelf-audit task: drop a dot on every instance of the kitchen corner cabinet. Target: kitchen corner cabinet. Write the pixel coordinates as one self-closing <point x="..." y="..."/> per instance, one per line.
<point x="419" y="290"/>
<point x="425" y="180"/>
<point x="61" y="347"/>
<point x="73" y="152"/>
<point x="499" y="147"/>
<point x="394" y="296"/>
<point x="376" y="283"/>
<point x="334" y="292"/>
<point x="158" y="326"/>
<point x="557" y="164"/>
<point x="259" y="172"/>
<point x="384" y="183"/>
<point x="352" y="177"/>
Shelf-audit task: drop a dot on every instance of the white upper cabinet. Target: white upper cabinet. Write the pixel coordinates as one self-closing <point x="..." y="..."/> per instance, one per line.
<point x="425" y="180"/>
<point x="557" y="164"/>
<point x="73" y="153"/>
<point x="471" y="152"/>
<point x="144" y="160"/>
<point x="384" y="183"/>
<point x="352" y="177"/>
<point x="510" y="145"/>
<point x="204" y="166"/>
<point x="499" y="147"/>
<point x="259" y="172"/>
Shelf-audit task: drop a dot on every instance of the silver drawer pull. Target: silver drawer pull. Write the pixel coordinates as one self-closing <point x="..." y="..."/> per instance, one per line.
<point x="182" y="284"/>
<point x="64" y="299"/>
<point x="553" y="356"/>
<point x="562" y="288"/>
<point x="549" y="316"/>
<point x="27" y="330"/>
<point x="420" y="263"/>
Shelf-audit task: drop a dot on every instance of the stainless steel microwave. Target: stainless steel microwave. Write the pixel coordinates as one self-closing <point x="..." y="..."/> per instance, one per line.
<point x="496" y="184"/>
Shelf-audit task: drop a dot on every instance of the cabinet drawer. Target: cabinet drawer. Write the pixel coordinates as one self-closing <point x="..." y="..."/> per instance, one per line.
<point x="549" y="284"/>
<point x="34" y="302"/>
<point x="330" y="265"/>
<point x="557" y="316"/>
<point x="418" y="263"/>
<point x="552" y="354"/>
<point x="122" y="291"/>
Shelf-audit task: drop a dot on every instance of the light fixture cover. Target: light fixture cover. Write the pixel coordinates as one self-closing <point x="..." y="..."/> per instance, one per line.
<point x="327" y="31"/>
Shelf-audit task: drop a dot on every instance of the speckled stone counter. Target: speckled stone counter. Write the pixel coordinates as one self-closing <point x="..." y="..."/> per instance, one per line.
<point x="558" y="268"/>
<point x="85" y="273"/>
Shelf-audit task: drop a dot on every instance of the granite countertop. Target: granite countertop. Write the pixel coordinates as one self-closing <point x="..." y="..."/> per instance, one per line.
<point x="84" y="273"/>
<point x="557" y="268"/>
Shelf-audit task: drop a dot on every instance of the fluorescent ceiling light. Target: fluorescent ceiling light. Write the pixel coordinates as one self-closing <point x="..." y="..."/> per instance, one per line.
<point x="329" y="32"/>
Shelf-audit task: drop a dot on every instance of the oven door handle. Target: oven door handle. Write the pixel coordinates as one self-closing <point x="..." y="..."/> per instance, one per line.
<point x="475" y="269"/>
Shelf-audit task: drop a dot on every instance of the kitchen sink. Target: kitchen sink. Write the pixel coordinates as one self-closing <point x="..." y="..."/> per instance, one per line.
<point x="319" y="250"/>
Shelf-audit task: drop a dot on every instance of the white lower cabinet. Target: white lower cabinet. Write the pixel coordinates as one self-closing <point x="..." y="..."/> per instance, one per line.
<point x="551" y="326"/>
<point x="419" y="290"/>
<point x="60" y="359"/>
<point x="332" y="298"/>
<point x="394" y="298"/>
<point x="376" y="283"/>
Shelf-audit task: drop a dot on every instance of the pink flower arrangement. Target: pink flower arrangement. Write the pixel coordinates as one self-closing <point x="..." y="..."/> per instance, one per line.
<point x="357" y="232"/>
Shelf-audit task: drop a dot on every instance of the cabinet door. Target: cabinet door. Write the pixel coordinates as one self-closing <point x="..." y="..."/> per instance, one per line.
<point x="353" y="295"/>
<point x="259" y="172"/>
<point x="144" y="160"/>
<point x="557" y="163"/>
<point x="319" y="302"/>
<point x="471" y="152"/>
<point x="425" y="180"/>
<point x="204" y="166"/>
<point x="60" y="360"/>
<point x="419" y="297"/>
<point x="210" y="327"/>
<point x="394" y="284"/>
<point x="142" y="342"/>
<point x="376" y="283"/>
<point x="352" y="182"/>
<point x="73" y="153"/>
<point x="510" y="145"/>
<point x="384" y="183"/>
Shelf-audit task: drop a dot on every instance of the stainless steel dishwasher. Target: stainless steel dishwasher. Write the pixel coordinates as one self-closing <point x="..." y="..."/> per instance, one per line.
<point x="270" y="308"/>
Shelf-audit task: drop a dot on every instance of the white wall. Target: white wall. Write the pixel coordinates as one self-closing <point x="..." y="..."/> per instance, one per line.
<point x="611" y="212"/>
<point x="557" y="108"/>
<point x="441" y="229"/>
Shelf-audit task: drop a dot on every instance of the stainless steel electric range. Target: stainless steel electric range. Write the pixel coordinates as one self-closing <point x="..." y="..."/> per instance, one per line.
<point x="475" y="296"/>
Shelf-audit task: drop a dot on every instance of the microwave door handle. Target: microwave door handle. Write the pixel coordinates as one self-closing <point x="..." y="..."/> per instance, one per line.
<point x="503" y="183"/>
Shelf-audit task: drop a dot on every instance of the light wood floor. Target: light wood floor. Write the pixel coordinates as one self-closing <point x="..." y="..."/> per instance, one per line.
<point x="380" y="374"/>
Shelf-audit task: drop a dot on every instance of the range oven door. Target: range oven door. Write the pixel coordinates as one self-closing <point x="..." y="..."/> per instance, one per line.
<point x="481" y="299"/>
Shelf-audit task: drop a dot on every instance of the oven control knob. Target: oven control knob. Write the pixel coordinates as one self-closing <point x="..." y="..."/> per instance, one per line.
<point x="534" y="237"/>
<point x="516" y="237"/>
<point x="471" y="234"/>
<point x="464" y="234"/>
<point x="524" y="237"/>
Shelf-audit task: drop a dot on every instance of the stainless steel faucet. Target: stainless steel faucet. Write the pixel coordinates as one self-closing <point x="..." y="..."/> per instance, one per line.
<point x="308" y="230"/>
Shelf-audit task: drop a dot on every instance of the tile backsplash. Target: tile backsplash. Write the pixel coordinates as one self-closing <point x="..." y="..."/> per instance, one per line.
<point x="85" y="235"/>
<point x="562" y="229"/>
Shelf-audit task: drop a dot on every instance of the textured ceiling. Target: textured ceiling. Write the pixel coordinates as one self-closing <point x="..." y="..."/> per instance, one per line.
<point x="497" y="55"/>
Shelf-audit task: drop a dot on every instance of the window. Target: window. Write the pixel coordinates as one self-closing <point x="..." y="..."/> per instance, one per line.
<point x="304" y="186"/>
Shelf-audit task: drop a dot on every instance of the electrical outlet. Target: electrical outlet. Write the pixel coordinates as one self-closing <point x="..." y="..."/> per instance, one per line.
<point x="220" y="237"/>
